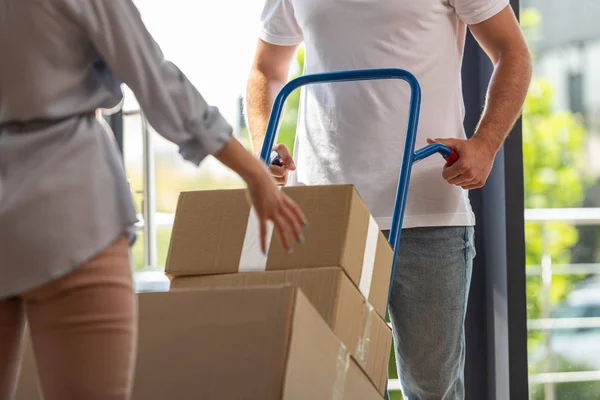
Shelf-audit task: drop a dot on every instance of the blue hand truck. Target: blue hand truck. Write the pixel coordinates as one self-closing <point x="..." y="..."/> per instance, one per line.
<point x="410" y="156"/>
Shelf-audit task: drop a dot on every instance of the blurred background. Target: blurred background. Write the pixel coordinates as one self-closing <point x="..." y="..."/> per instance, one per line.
<point x="214" y="46"/>
<point x="561" y="126"/>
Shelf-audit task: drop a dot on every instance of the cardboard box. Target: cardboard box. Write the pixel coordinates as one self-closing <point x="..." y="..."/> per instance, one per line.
<point x="339" y="302"/>
<point x="216" y="232"/>
<point x="261" y="343"/>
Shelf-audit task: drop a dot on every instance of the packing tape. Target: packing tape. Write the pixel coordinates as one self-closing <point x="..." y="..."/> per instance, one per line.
<point x="341" y="372"/>
<point x="366" y="276"/>
<point x="252" y="258"/>
<point x="362" y="350"/>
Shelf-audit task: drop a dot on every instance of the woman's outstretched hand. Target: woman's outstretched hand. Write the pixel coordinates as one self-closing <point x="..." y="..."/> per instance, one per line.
<point x="270" y="203"/>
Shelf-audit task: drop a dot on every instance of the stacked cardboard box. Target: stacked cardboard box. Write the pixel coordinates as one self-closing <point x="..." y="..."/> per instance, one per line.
<point x="264" y="343"/>
<point x="241" y="325"/>
<point x="343" y="267"/>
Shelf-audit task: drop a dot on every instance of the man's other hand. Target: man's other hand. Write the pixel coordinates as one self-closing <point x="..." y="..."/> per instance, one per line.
<point x="280" y="172"/>
<point x="475" y="160"/>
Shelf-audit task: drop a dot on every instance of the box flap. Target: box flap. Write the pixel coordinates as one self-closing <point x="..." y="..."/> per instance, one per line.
<point x="208" y="231"/>
<point x="358" y="387"/>
<point x="319" y="365"/>
<point x="318" y="361"/>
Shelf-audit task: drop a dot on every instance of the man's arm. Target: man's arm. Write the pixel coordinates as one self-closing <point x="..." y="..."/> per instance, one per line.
<point x="269" y="73"/>
<point x="502" y="40"/>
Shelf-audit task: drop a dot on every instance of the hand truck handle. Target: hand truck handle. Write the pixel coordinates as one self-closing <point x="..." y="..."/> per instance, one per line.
<point x="449" y="155"/>
<point x="409" y="155"/>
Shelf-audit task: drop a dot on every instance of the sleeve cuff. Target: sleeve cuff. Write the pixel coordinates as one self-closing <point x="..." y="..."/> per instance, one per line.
<point x="280" y="40"/>
<point x="209" y="136"/>
<point x="486" y="13"/>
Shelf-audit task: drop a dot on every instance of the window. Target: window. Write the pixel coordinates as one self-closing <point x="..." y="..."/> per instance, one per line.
<point x="216" y="57"/>
<point x="562" y="200"/>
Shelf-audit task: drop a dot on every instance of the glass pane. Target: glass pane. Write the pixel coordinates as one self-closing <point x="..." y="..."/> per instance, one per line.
<point x="192" y="35"/>
<point x="562" y="193"/>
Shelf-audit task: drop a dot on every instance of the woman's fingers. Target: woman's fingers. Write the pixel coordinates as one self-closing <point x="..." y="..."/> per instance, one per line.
<point x="288" y="220"/>
<point x="296" y="211"/>
<point x="282" y="228"/>
<point x="294" y="225"/>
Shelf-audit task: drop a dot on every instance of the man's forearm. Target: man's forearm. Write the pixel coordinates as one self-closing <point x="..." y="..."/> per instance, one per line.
<point x="505" y="97"/>
<point x="260" y="95"/>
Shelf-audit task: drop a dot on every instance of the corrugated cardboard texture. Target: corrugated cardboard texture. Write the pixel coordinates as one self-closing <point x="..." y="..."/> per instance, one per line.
<point x="320" y="285"/>
<point x="378" y="339"/>
<point x="318" y="342"/>
<point x="247" y="344"/>
<point x="380" y="285"/>
<point x="356" y="234"/>
<point x="327" y="209"/>
<point x="209" y="229"/>
<point x="358" y="388"/>
<point x="338" y="301"/>
<point x="313" y="340"/>
<point x="362" y="329"/>
<point x="350" y="316"/>
<point x="194" y="344"/>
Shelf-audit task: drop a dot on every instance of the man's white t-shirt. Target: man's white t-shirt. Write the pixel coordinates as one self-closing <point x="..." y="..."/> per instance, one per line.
<point x="353" y="132"/>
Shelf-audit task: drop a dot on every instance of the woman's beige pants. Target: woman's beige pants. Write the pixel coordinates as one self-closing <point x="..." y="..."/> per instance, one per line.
<point x="83" y="331"/>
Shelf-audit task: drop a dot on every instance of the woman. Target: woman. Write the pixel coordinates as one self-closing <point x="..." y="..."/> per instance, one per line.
<point x="65" y="207"/>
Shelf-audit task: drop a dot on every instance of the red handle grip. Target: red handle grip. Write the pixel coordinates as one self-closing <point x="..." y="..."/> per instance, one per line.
<point x="452" y="158"/>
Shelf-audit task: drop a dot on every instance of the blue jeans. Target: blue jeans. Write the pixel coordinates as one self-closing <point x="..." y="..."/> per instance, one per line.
<point x="427" y="310"/>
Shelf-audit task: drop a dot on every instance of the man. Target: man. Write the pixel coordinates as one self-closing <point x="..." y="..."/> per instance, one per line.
<point x="354" y="133"/>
